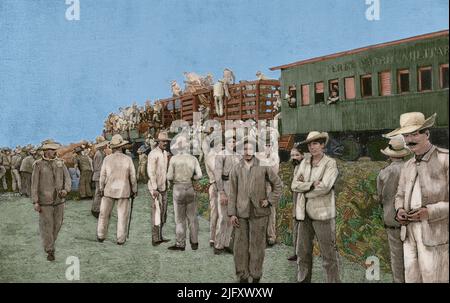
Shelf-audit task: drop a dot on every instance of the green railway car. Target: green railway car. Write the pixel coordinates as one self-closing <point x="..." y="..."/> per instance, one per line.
<point x="358" y="95"/>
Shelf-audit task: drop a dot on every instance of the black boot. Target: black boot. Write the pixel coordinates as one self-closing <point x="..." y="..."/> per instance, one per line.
<point x="51" y="256"/>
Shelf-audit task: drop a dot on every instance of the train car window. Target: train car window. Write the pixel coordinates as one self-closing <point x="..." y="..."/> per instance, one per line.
<point x="319" y="95"/>
<point x="305" y="94"/>
<point x="333" y="91"/>
<point x="443" y="73"/>
<point x="424" y="78"/>
<point x="349" y="83"/>
<point x="366" y="85"/>
<point x="403" y="81"/>
<point x="292" y="96"/>
<point x="384" y="80"/>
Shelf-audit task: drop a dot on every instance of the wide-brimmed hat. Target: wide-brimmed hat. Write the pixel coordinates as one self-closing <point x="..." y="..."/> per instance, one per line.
<point x="117" y="141"/>
<point x="100" y="141"/>
<point x="412" y="122"/>
<point x="163" y="136"/>
<point x="50" y="144"/>
<point x="396" y="148"/>
<point x="32" y="151"/>
<point x="314" y="136"/>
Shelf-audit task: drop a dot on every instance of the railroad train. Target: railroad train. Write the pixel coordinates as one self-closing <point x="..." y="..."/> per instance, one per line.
<point x="356" y="96"/>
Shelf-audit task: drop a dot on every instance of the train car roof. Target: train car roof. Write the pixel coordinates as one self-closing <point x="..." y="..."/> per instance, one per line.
<point x="361" y="49"/>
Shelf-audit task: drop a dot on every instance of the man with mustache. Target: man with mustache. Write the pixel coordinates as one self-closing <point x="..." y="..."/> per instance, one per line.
<point x="421" y="202"/>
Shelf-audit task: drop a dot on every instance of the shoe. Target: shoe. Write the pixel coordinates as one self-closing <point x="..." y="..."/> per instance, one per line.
<point x="51" y="256"/>
<point x="218" y="251"/>
<point x="243" y="280"/>
<point x="120" y="243"/>
<point x="228" y="250"/>
<point x="156" y="243"/>
<point x="270" y="243"/>
<point x="100" y="240"/>
<point x="174" y="247"/>
<point x="211" y="244"/>
<point x="165" y="240"/>
<point x="194" y="246"/>
<point x="256" y="280"/>
<point x="95" y="213"/>
<point x="293" y="258"/>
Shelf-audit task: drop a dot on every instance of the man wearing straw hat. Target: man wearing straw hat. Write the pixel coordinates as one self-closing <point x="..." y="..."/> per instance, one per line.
<point x="315" y="209"/>
<point x="157" y="185"/>
<point x="101" y="144"/>
<point x="26" y="169"/>
<point x="387" y="184"/>
<point x="117" y="183"/>
<point x="50" y="184"/>
<point x="421" y="202"/>
<point x="183" y="168"/>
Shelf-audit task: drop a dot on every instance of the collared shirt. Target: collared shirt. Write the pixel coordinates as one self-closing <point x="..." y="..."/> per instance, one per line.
<point x="182" y="168"/>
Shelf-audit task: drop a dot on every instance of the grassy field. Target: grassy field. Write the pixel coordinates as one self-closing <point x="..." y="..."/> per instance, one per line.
<point x="22" y="258"/>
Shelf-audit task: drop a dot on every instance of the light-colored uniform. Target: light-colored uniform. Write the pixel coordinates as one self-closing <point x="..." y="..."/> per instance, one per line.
<point x="118" y="182"/>
<point x="210" y="161"/>
<point x="425" y="243"/>
<point x="26" y="169"/>
<point x="224" y="164"/>
<point x="182" y="169"/>
<point x="157" y="180"/>
<point x="16" y="160"/>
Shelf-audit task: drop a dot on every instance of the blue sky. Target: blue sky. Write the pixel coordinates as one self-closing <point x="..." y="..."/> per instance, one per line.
<point x="60" y="79"/>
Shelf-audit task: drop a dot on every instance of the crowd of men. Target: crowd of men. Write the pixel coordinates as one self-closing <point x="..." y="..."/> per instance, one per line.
<point x="244" y="190"/>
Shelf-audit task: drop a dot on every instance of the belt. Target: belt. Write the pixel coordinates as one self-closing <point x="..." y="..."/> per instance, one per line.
<point x="225" y="178"/>
<point x="392" y="227"/>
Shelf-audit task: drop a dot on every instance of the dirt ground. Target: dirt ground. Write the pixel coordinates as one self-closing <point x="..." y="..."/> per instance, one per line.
<point x="22" y="258"/>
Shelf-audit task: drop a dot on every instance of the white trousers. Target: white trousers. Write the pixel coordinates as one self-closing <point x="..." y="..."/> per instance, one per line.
<point x="106" y="207"/>
<point x="424" y="264"/>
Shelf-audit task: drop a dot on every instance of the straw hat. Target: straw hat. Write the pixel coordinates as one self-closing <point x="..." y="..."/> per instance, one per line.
<point x="117" y="141"/>
<point x="412" y="122"/>
<point x="396" y="148"/>
<point x="314" y="136"/>
<point x="100" y="141"/>
<point x="163" y="136"/>
<point x="49" y="144"/>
